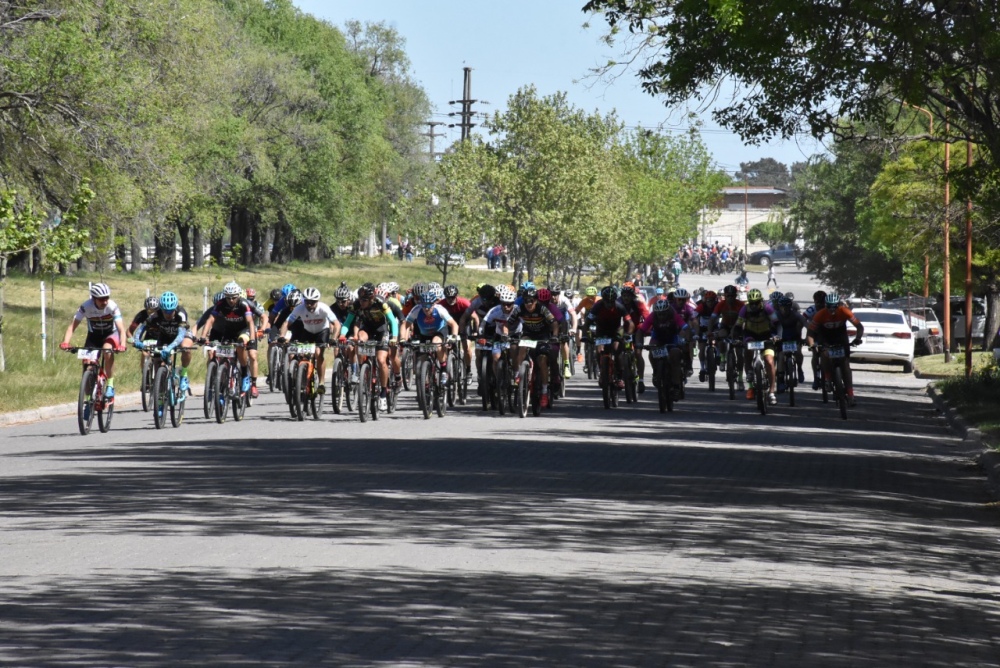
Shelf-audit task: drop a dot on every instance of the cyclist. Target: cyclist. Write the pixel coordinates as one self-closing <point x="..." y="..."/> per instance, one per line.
<point x="150" y="307"/>
<point x="590" y="297"/>
<point x="637" y="309"/>
<point x="430" y="322"/>
<point x="681" y="299"/>
<point x="569" y="324"/>
<point x="667" y="326"/>
<point x="231" y="319"/>
<point x="538" y="324"/>
<point x="372" y="319"/>
<point x="819" y="303"/>
<point x="456" y="307"/>
<point x="498" y="315"/>
<point x="383" y="292"/>
<point x="471" y="321"/>
<point x="611" y="320"/>
<point x="721" y="327"/>
<point x="792" y="324"/>
<point x="317" y="322"/>
<point x="105" y="329"/>
<point x="170" y="321"/>
<point x="757" y="321"/>
<point x="829" y="328"/>
<point x="704" y="312"/>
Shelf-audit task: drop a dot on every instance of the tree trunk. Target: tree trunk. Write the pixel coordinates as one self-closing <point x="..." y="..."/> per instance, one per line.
<point x="165" y="248"/>
<point x="215" y="247"/>
<point x="256" y="242"/>
<point x="136" y="252"/>
<point x="184" y="230"/>
<point x="3" y="281"/>
<point x="282" y="248"/>
<point x="268" y="243"/>
<point x="198" y="258"/>
<point x="990" y="338"/>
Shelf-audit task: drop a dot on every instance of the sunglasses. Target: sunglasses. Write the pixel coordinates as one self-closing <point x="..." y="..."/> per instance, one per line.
<point x="311" y="303"/>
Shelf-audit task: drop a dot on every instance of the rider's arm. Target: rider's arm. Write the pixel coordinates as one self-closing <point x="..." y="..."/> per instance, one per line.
<point x="393" y="322"/>
<point x="346" y="327"/>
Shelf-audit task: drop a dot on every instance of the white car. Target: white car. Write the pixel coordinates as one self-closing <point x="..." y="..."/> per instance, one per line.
<point x="887" y="338"/>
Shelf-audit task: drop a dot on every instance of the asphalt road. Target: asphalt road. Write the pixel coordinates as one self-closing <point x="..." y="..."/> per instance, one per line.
<point x="708" y="537"/>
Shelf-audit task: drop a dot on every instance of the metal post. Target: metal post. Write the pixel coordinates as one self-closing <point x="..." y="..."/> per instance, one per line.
<point x="204" y="300"/>
<point x="946" y="324"/>
<point x="43" y="321"/>
<point x="968" y="268"/>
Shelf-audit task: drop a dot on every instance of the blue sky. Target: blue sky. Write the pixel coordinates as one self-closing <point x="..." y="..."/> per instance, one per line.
<point x="513" y="43"/>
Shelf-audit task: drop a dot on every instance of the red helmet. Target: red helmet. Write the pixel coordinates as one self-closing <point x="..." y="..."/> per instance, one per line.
<point x="544" y="295"/>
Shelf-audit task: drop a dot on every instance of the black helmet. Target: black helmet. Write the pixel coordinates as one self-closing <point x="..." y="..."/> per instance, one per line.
<point x="450" y="291"/>
<point x="609" y="294"/>
<point x="366" y="291"/>
<point x="276" y="294"/>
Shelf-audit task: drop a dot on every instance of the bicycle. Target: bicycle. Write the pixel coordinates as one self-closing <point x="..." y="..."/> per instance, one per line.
<point x="833" y="362"/>
<point x="430" y="394"/>
<point x="504" y="375"/>
<point x="146" y="383"/>
<point x="607" y="376"/>
<point x="667" y="391"/>
<point x="711" y="360"/>
<point x="788" y="368"/>
<point x="93" y="382"/>
<point x="630" y="370"/>
<point x="758" y="372"/>
<point x="166" y="389"/>
<point x="590" y="353"/>
<point x="529" y="390"/>
<point x="275" y="366"/>
<point x="341" y="388"/>
<point x="406" y="367"/>
<point x="226" y="383"/>
<point x="456" y="374"/>
<point x="306" y="399"/>
<point x="484" y="370"/>
<point x="733" y="368"/>
<point x="368" y="386"/>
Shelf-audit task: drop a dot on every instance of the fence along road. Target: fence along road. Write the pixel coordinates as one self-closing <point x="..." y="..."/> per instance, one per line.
<point x="712" y="536"/>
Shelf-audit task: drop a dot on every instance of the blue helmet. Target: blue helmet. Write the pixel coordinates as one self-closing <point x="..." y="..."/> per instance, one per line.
<point x="168" y="301"/>
<point x="429" y="298"/>
<point x="528" y="285"/>
<point x="288" y="287"/>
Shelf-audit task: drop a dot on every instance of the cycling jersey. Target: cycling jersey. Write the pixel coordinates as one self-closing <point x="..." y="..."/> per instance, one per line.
<point x="791" y="324"/>
<point x="169" y="331"/>
<point x="140" y="319"/>
<point x="457" y="309"/>
<point x="373" y="319"/>
<point x="233" y="314"/>
<point x="314" y="321"/>
<point x="430" y="323"/>
<point x="664" y="330"/>
<point x="830" y="327"/>
<point x="758" y="324"/>
<point x="728" y="311"/>
<point x="99" y="320"/>
<point x="704" y="312"/>
<point x="587" y="303"/>
<point x="535" y="324"/>
<point x="495" y="317"/>
<point x="608" y="318"/>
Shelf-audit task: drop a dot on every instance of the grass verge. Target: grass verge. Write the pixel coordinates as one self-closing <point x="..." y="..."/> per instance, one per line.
<point x="977" y="398"/>
<point x="934" y="366"/>
<point x="28" y="382"/>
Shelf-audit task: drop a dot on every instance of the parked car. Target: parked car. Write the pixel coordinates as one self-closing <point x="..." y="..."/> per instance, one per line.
<point x="887" y="338"/>
<point x="958" y="320"/>
<point x="435" y="256"/>
<point x="928" y="334"/>
<point x="648" y="292"/>
<point x="782" y="253"/>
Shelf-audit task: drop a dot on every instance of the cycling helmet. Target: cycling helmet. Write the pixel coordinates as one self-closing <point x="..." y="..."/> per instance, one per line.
<point x="366" y="291"/>
<point x="528" y="285"/>
<point x="418" y="290"/>
<point x="628" y="290"/>
<point x="819" y="296"/>
<point x="168" y="301"/>
<point x="488" y="293"/>
<point x="311" y="295"/>
<point x="681" y="293"/>
<point x="590" y="291"/>
<point x="659" y="291"/>
<point x="570" y="294"/>
<point x="343" y="292"/>
<point x="436" y="288"/>
<point x="505" y="294"/>
<point x="381" y="292"/>
<point x="663" y="308"/>
<point x="755" y="296"/>
<point x="288" y="287"/>
<point x="628" y="284"/>
<point x="294" y="298"/>
<point x="276" y="294"/>
<point x="251" y="294"/>
<point x="451" y="291"/>
<point x="786" y="302"/>
<point x="609" y="294"/>
<point x="152" y="303"/>
<point x="832" y="299"/>
<point x="218" y="297"/>
<point x="232" y="289"/>
<point x="544" y="295"/>
<point x="710" y="296"/>
<point x="556" y="289"/>
<point x="100" y="290"/>
<point x="480" y="286"/>
<point x="392" y="287"/>
<point x="428" y="299"/>
<point x="730" y="291"/>
<point x="790" y="296"/>
<point x="530" y="293"/>
<point x="775" y="297"/>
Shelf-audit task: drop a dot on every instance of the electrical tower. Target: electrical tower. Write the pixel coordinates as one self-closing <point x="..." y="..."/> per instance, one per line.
<point x="430" y="134"/>
<point x="465" y="114"/>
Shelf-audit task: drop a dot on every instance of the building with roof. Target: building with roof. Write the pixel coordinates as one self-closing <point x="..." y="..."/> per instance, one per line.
<point x="737" y="209"/>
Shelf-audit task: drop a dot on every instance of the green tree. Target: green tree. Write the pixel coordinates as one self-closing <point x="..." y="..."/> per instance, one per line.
<point x="764" y="172"/>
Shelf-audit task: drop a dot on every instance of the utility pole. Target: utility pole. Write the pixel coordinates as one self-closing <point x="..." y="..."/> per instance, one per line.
<point x="430" y="134"/>
<point x="465" y="115"/>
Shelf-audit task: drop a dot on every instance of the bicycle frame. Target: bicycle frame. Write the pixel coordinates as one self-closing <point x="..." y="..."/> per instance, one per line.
<point x="93" y="381"/>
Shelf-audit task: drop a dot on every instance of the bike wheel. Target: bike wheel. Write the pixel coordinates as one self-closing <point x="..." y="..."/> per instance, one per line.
<point x="158" y="396"/>
<point x="453" y="379"/>
<point x="85" y="402"/>
<point x="301" y="392"/>
<point x="179" y="398"/>
<point x="760" y="388"/>
<point x="146" y="384"/>
<point x="502" y="379"/>
<point x="406" y="364"/>
<point x="273" y="353"/>
<point x="104" y="417"/>
<point x="423" y="383"/>
<point x="732" y="373"/>
<point x="208" y="393"/>
<point x="315" y="397"/>
<point x="240" y="402"/>
<point x="337" y="385"/>
<point x="348" y="389"/>
<point x="364" y="391"/>
<point x="442" y="395"/>
<point x="222" y="393"/>
<point x="631" y="394"/>
<point x="391" y="397"/>
<point x="288" y="375"/>
<point x="791" y="378"/>
<point x="606" y="381"/>
<point x="572" y="358"/>
<point x="523" y="396"/>
<point x="839" y="391"/>
<point x="485" y="380"/>
<point x="590" y="360"/>
<point x="712" y="364"/>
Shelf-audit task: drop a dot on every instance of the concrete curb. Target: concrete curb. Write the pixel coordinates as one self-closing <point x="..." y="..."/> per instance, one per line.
<point x="988" y="458"/>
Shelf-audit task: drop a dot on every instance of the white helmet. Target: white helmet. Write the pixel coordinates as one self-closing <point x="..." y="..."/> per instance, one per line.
<point x="392" y="287"/>
<point x="505" y="294"/>
<point x="311" y="295"/>
<point x="99" y="290"/>
<point x="232" y="289"/>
